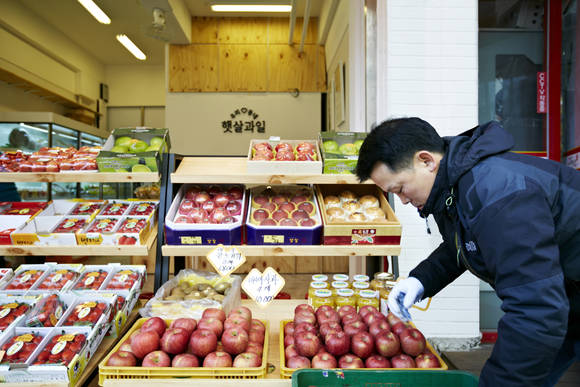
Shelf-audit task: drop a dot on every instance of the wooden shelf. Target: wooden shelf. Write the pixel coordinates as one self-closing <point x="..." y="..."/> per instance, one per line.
<point x="118" y="250"/>
<point x="288" y="250"/>
<point x="230" y="170"/>
<point x="80" y="177"/>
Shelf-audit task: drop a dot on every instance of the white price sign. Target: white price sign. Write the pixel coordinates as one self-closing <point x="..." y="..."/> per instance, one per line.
<point x="225" y="261"/>
<point x="263" y="287"/>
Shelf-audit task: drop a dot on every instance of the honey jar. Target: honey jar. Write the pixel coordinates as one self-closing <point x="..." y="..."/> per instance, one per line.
<point x="384" y="296"/>
<point x="345" y="297"/>
<point x="360" y="278"/>
<point x="313" y="287"/>
<point x="380" y="278"/>
<point x="367" y="297"/>
<point x="338" y="285"/>
<point x="319" y="278"/>
<point x="322" y="297"/>
<point x="340" y="277"/>
<point x="358" y="286"/>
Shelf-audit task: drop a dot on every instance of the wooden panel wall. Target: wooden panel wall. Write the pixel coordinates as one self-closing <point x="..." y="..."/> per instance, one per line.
<point x="247" y="55"/>
<point x="285" y="265"/>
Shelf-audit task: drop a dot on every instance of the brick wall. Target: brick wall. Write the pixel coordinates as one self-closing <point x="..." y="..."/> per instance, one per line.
<point x="427" y="67"/>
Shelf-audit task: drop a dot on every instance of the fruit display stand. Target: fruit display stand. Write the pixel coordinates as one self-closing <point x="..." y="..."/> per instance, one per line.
<point x="225" y="170"/>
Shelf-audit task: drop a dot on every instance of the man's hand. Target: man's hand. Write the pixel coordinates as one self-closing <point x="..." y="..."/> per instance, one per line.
<point x="409" y="291"/>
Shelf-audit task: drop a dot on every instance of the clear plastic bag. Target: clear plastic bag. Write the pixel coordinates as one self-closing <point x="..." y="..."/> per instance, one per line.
<point x="170" y="304"/>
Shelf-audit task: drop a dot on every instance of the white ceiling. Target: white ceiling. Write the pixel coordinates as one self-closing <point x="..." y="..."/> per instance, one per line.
<point x="133" y="18"/>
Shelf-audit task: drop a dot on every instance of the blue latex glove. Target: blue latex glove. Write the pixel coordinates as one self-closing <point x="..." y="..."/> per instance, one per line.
<point x="405" y="293"/>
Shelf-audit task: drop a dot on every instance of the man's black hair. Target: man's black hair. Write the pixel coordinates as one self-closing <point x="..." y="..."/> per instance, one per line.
<point x="394" y="143"/>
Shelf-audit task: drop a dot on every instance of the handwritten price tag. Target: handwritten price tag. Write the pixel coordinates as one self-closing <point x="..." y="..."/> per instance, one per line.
<point x="225" y="261"/>
<point x="263" y="287"/>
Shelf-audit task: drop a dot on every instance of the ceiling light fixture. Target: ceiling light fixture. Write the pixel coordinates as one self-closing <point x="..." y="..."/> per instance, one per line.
<point x="95" y="11"/>
<point x="129" y="45"/>
<point x="250" y="8"/>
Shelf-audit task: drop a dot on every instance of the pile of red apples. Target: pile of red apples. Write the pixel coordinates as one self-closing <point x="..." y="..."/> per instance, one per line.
<point x="214" y="205"/>
<point x="283" y="151"/>
<point x="329" y="338"/>
<point x="214" y="341"/>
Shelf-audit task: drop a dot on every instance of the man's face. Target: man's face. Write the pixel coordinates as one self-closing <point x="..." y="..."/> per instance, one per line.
<point x="412" y="185"/>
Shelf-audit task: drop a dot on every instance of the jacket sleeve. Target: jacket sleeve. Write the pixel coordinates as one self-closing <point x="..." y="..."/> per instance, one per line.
<point x="516" y="236"/>
<point x="438" y="270"/>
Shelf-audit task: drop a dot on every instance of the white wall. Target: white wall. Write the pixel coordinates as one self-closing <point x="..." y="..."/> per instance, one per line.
<point x="427" y="67"/>
<point x="136" y="85"/>
<point x="195" y="120"/>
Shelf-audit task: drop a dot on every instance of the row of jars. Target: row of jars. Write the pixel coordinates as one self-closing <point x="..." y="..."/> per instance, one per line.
<point x="357" y="292"/>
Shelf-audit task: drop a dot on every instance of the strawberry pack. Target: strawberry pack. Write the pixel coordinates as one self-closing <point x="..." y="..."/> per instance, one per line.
<point x="14" y="309"/>
<point x="61" y="349"/>
<point x="19" y="347"/>
<point x="25" y="277"/>
<point x="47" y="312"/>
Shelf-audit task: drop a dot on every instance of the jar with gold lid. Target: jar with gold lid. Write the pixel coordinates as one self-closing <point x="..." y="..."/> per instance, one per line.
<point x="315" y="285"/>
<point x="322" y="297"/>
<point x="345" y="297"/>
<point x="380" y="278"/>
<point x="367" y="297"/>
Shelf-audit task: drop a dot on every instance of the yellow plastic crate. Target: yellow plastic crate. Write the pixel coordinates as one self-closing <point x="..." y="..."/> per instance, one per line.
<point x="286" y="373"/>
<point x="108" y="372"/>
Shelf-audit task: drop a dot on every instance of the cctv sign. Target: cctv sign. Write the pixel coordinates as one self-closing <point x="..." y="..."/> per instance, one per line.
<point x="541" y="95"/>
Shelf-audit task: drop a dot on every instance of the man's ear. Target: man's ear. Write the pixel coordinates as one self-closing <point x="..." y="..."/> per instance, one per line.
<point x="428" y="159"/>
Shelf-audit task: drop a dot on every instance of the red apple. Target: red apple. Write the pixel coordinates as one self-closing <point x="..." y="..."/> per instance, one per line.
<point x="217" y="359"/>
<point x="154" y="323"/>
<point x="212" y="324"/>
<point x="247" y="360"/>
<point x="269" y="206"/>
<point x="290" y="351"/>
<point x="228" y="220"/>
<point x="362" y="344"/>
<point x="236" y="192"/>
<point x="244" y="311"/>
<point x="287" y="206"/>
<point x="186" y="206"/>
<point x="259" y="215"/>
<point x="256" y="336"/>
<point x="278" y="215"/>
<point x="221" y="199"/>
<point x="350" y="361"/>
<point x="262" y="146"/>
<point x="184" y="219"/>
<point x="202" y="342"/>
<point x="175" y="341"/>
<point x="350" y="318"/>
<point x="261" y="199"/>
<point x="298" y="215"/>
<point x="328" y="316"/>
<point x="288" y="340"/>
<point x="346" y="310"/>
<point x="201" y="198"/>
<point x="299" y="198"/>
<point x="304" y="327"/>
<point x="214" y="190"/>
<point x="257" y="325"/>
<point x="298" y="362"/>
<point x="307" y="343"/>
<point x="263" y="155"/>
<point x="156" y="359"/>
<point x="237" y="321"/>
<point x="285" y="156"/>
<point x="268" y="222"/>
<point x="377" y="361"/>
<point x="323" y="308"/>
<point x="403" y="361"/>
<point x="185" y="360"/>
<point x="304" y="146"/>
<point x="192" y="192"/>
<point x="392" y="319"/>
<point x="208" y="206"/>
<point x="289" y="328"/>
<point x="135" y="333"/>
<point x="427" y="360"/>
<point x="255" y="347"/>
<point x="377" y="326"/>
<point x="301" y="317"/>
<point x="327" y="327"/>
<point x="306" y="206"/>
<point x="235" y="341"/>
<point x="284" y="146"/>
<point x="338" y="343"/>
<point x="122" y="359"/>
<point x="287" y="222"/>
<point x="234" y="207"/>
<point x="367" y="309"/>
<point x="218" y="214"/>
<point x="353" y="328"/>
<point x="399" y="327"/>
<point x="307" y="222"/>
<point x="305" y="156"/>
<point x="370" y="318"/>
<point x="303" y="307"/>
<point x="214" y="313"/>
<point x="324" y="360"/>
<point x="412" y="341"/>
<point x="387" y="343"/>
<point x="198" y="215"/>
<point x="144" y="343"/>
<point x="189" y="324"/>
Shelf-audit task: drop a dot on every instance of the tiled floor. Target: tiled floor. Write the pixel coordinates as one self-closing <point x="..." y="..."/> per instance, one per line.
<point x="473" y="361"/>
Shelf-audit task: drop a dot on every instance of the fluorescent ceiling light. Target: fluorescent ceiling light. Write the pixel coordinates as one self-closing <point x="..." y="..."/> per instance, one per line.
<point x="95" y="11"/>
<point x="129" y="45"/>
<point x="250" y="8"/>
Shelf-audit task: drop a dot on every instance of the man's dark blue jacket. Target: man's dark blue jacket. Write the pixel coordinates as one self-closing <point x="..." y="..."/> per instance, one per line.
<point x="514" y="221"/>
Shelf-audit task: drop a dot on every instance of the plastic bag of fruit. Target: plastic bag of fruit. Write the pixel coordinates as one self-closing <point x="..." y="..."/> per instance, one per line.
<point x="190" y="292"/>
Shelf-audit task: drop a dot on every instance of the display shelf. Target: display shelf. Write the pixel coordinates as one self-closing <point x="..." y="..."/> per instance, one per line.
<point x="288" y="250"/>
<point x="117" y="250"/>
<point x="79" y="177"/>
<point x="233" y="170"/>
